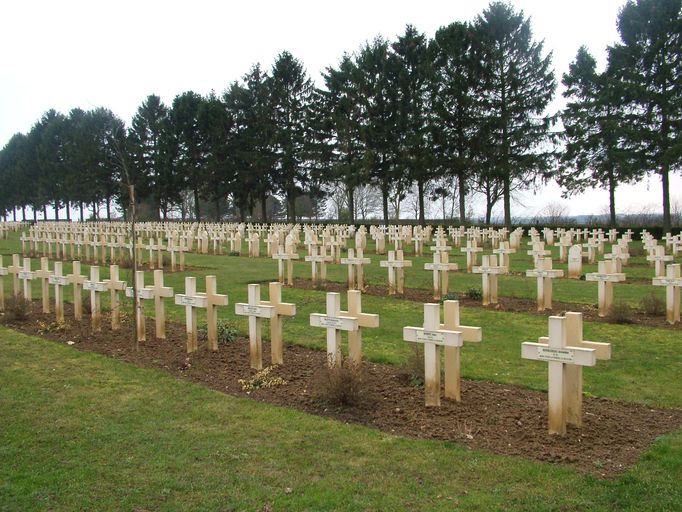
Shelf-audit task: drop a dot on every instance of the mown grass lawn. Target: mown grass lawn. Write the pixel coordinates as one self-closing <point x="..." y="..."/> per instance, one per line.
<point x="83" y="432"/>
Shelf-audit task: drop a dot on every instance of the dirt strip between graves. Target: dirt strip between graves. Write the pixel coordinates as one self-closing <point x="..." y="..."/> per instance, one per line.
<point x="500" y="418"/>
<point x="510" y="304"/>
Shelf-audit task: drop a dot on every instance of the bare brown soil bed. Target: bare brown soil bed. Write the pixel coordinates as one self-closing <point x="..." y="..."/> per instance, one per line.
<point x="511" y="304"/>
<point x="500" y="418"/>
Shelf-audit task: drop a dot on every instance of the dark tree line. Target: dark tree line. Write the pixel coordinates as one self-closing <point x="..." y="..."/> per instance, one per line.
<point x="464" y="111"/>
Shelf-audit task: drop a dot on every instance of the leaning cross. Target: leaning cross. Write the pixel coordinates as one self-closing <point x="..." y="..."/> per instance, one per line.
<point x="605" y="277"/>
<point x="334" y="322"/>
<point x="364" y="320"/>
<point x="560" y="354"/>
<point x="544" y="274"/>
<point x="396" y="265"/>
<point x="432" y="336"/>
<point x="256" y="312"/>
<point x="672" y="282"/>
<point x="452" y="353"/>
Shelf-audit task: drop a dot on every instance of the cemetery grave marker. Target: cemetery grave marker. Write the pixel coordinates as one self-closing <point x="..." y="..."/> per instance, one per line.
<point x="605" y="277"/>
<point x="471" y="249"/>
<point x="544" y="274"/>
<point x="672" y="282"/>
<point x="14" y="269"/>
<point x="26" y="276"/>
<point x="363" y="319"/>
<point x="489" y="271"/>
<point x="396" y="265"/>
<point x="77" y="280"/>
<point x="256" y="311"/>
<point x="356" y="279"/>
<point x="3" y="273"/>
<point x="575" y="262"/>
<point x="318" y="257"/>
<point x="96" y="287"/>
<point x="282" y="309"/>
<point x="44" y="274"/>
<point x="659" y="258"/>
<point x="115" y="286"/>
<point x="334" y="322"/>
<point x="432" y="336"/>
<point x="59" y="281"/>
<point x="440" y="268"/>
<point x="564" y="384"/>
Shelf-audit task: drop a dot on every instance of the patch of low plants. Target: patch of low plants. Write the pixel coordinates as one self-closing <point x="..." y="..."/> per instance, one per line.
<point x="341" y="383"/>
<point x="17" y="308"/>
<point x="226" y="330"/>
<point x="51" y="327"/>
<point x="621" y="313"/>
<point x="414" y="366"/>
<point x="652" y="305"/>
<point x="262" y="380"/>
<point x="474" y="293"/>
<point x="450" y="296"/>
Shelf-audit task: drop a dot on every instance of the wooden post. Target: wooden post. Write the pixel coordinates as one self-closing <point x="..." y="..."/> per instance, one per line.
<point x="605" y="277"/>
<point x="77" y="280"/>
<point x="256" y="312"/>
<point x="282" y="309"/>
<point x="364" y="320"/>
<point x="432" y="336"/>
<point x="44" y="275"/>
<point x="544" y="274"/>
<point x="115" y="286"/>
<point x="452" y="353"/>
<point x="673" y="283"/>
<point x="334" y="322"/>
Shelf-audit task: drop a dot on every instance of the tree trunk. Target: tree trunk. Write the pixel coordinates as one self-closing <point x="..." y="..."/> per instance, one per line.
<point x="56" y="210"/>
<point x="351" y="205"/>
<point x="217" y="209"/>
<point x="81" y="208"/>
<point x="507" y="201"/>
<point x="612" y="199"/>
<point x="23" y="213"/>
<point x="291" y="206"/>
<point x="263" y="207"/>
<point x="384" y="199"/>
<point x="462" y="195"/>
<point x="420" y="198"/>
<point x="14" y="214"/>
<point x="44" y="212"/>
<point x="95" y="211"/>
<point x="665" y="180"/>
<point x="108" y="209"/>
<point x="197" y="209"/>
<point x="68" y="211"/>
<point x="35" y="215"/>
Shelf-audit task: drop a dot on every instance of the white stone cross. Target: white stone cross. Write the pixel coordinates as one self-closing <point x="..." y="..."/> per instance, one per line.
<point x="3" y="273"/>
<point x="396" y="265"/>
<point x="95" y="287"/>
<point x="192" y="301"/>
<point x="282" y="309"/>
<point x="318" y="257"/>
<point x="59" y="281"/>
<point x="503" y="252"/>
<point x="334" y="322"/>
<point x="544" y="274"/>
<point x="565" y="385"/>
<point x="26" y="275"/>
<point x="452" y="353"/>
<point x="356" y="280"/>
<point x="472" y="258"/>
<point x="659" y="258"/>
<point x="364" y="320"/>
<point x="14" y="269"/>
<point x="489" y="271"/>
<point x="605" y="277"/>
<point x="76" y="279"/>
<point x="440" y="268"/>
<point x="672" y="282"/>
<point x="538" y="251"/>
<point x="619" y="256"/>
<point x="115" y="286"/>
<point x="143" y="293"/>
<point x="256" y="311"/>
<point x="432" y="336"/>
<point x="289" y="256"/>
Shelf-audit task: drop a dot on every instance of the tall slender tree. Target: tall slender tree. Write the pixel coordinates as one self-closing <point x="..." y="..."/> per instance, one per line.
<point x="648" y="64"/>
<point x="517" y="86"/>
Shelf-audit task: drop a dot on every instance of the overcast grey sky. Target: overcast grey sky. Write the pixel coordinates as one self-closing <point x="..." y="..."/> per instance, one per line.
<point x="66" y="54"/>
